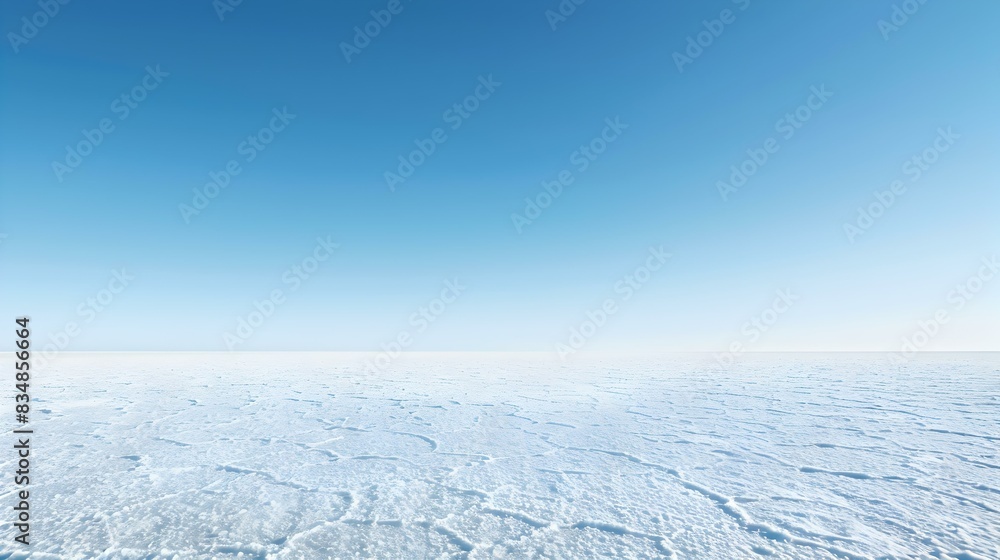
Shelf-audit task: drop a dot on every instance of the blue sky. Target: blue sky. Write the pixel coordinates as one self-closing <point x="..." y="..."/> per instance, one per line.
<point x="207" y="84"/>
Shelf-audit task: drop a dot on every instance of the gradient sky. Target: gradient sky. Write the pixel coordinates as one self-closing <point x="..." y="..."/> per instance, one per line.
<point x="655" y="185"/>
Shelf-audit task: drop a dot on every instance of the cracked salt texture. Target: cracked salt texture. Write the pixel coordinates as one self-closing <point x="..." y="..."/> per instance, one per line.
<point x="514" y="456"/>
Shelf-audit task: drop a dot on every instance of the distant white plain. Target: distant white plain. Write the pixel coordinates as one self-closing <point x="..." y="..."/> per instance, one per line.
<point x="211" y="455"/>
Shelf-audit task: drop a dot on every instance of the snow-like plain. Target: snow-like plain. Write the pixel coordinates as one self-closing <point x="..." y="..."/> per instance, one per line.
<point x="512" y="456"/>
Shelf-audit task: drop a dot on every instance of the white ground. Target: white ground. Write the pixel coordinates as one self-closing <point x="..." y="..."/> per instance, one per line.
<point x="491" y="456"/>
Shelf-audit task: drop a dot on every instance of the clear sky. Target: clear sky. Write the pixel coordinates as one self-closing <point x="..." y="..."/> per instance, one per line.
<point x="310" y="114"/>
